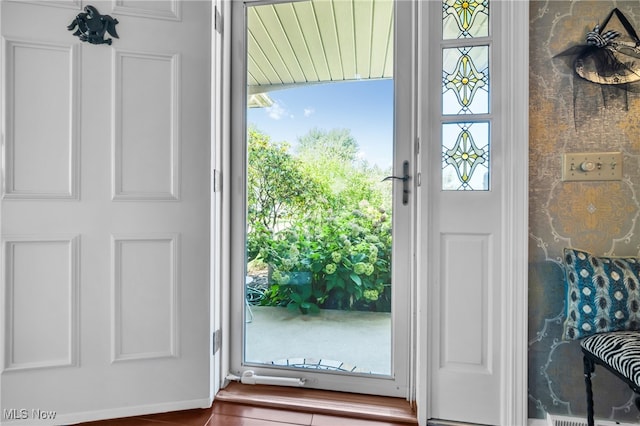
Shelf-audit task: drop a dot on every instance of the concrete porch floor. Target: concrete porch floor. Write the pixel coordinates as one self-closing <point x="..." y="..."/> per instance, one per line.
<point x="353" y="341"/>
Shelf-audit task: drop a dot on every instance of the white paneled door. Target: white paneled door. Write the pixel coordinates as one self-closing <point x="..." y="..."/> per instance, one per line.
<point x="472" y="211"/>
<point x="105" y="211"/>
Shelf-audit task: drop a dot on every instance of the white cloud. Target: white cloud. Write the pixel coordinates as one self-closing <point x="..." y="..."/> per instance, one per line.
<point x="309" y="111"/>
<point x="276" y="111"/>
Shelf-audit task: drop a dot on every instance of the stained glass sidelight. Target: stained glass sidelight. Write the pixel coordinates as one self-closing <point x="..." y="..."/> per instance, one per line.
<point x="465" y="19"/>
<point x="466" y="100"/>
<point x="465" y="80"/>
<point x="465" y="156"/>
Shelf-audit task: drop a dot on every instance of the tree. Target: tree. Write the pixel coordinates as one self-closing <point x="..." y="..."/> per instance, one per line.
<point x="331" y="157"/>
<point x="278" y="190"/>
<point x="322" y="216"/>
<point x="336" y="145"/>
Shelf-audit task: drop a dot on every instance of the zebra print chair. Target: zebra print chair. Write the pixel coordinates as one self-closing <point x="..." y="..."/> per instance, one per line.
<point x="603" y="312"/>
<point x="618" y="352"/>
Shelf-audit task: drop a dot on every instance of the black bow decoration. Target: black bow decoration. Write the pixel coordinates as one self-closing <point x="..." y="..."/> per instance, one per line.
<point x="604" y="58"/>
<point x="607" y="59"/>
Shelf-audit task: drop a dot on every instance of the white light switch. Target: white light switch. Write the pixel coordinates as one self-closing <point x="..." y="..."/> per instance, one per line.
<point x="592" y="166"/>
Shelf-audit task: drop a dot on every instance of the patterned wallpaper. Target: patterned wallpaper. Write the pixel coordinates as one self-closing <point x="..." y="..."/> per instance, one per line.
<point x="571" y="115"/>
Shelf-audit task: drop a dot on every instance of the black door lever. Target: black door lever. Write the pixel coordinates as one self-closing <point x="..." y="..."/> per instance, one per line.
<point x="405" y="181"/>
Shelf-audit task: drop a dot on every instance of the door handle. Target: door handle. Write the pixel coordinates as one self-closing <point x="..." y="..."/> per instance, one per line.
<point x="405" y="181"/>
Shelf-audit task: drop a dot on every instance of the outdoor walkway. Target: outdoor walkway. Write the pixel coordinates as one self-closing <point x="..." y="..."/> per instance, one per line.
<point x="345" y="340"/>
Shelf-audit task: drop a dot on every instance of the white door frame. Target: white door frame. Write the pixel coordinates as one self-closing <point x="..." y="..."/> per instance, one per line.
<point x="399" y="383"/>
<point x="220" y="198"/>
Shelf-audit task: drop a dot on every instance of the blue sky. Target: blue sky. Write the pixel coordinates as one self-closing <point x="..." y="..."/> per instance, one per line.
<point x="365" y="107"/>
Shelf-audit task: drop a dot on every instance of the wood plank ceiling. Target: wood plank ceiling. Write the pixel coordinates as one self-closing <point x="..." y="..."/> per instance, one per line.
<point x="318" y="41"/>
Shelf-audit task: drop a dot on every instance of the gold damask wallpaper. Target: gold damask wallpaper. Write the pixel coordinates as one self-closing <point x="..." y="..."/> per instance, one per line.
<point x="568" y="114"/>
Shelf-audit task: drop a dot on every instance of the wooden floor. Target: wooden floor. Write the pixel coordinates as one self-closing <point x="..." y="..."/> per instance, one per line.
<point x="246" y="405"/>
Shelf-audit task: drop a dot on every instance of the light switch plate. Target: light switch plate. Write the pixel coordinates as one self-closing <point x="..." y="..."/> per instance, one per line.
<point x="592" y="166"/>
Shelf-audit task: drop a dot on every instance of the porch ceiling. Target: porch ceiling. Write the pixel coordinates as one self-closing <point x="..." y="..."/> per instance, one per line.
<point x="316" y="41"/>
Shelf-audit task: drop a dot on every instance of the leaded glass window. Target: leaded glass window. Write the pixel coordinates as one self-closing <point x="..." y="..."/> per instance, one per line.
<point x="465" y="80"/>
<point x="466" y="100"/>
<point x="465" y="156"/>
<point x="465" y="19"/>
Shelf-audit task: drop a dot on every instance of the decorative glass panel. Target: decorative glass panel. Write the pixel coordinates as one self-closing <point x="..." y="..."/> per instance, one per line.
<point x="465" y="19"/>
<point x="465" y="156"/>
<point x="465" y="80"/>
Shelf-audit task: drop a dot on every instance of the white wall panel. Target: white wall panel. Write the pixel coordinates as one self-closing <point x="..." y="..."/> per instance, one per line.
<point x="149" y="9"/>
<point x="145" y="292"/>
<point x="41" y="158"/>
<point x="41" y="302"/>
<point x="465" y="310"/>
<point x="146" y="111"/>
<point x="67" y="4"/>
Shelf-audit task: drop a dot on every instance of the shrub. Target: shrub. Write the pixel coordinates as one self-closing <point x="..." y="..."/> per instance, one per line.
<point x="346" y="255"/>
<point x="325" y="246"/>
<point x="279" y="191"/>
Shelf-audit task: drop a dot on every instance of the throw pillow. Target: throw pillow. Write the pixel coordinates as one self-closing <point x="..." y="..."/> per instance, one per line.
<point x="603" y="294"/>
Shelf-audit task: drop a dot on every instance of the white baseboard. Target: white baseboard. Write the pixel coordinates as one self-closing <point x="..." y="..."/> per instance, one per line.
<point x="115" y="413"/>
<point x="556" y="420"/>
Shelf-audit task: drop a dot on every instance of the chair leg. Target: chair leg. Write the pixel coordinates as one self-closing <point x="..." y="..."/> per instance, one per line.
<point x="589" y="367"/>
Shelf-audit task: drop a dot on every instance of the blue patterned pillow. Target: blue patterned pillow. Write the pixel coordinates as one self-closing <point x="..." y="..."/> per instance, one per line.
<point x="603" y="294"/>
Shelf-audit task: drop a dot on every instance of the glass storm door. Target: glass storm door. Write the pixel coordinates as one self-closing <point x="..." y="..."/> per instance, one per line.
<point x="322" y="197"/>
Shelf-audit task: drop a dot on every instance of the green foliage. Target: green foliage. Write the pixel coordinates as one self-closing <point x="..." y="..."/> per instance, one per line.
<point x="320" y="221"/>
<point x="331" y="157"/>
<point x="279" y="191"/>
<point x="347" y="256"/>
<point x="337" y="145"/>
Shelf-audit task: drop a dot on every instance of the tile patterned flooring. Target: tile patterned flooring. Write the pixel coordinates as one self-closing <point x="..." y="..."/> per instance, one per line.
<point x="234" y="414"/>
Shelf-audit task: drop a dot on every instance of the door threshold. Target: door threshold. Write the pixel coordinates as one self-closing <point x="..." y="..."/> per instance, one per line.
<point x="369" y="407"/>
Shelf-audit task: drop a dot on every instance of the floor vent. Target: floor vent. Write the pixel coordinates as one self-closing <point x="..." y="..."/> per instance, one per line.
<point x="565" y="421"/>
<point x="554" y="420"/>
